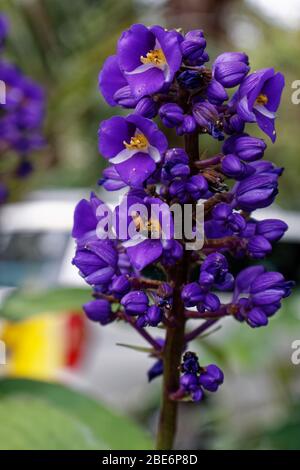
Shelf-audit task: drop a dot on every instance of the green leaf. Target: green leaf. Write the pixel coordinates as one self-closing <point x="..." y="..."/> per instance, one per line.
<point x="40" y="415"/>
<point x="22" y="304"/>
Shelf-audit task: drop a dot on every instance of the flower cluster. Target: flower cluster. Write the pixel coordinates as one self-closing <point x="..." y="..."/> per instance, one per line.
<point x="22" y="114"/>
<point x="142" y="273"/>
<point x="195" y="378"/>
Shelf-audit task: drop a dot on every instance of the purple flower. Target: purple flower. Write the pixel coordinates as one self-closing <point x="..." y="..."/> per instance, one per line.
<point x="99" y="311"/>
<point x="230" y="68"/>
<point x="193" y="47"/>
<point x="135" y="302"/>
<point x="111" y="179"/>
<point x="194" y="378"/>
<point x="86" y="219"/>
<point x="134" y="145"/>
<point x="97" y="262"/>
<point x="259" y="98"/>
<point x="113" y="85"/>
<point x="148" y="58"/>
<point x="153" y="232"/>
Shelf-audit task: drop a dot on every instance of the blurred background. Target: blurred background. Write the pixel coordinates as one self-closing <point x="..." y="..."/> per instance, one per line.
<point x="65" y="383"/>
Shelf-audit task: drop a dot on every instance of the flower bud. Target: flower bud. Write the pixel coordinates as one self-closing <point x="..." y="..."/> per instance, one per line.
<point x="135" y="302"/>
<point x="187" y="126"/>
<point x="120" y="285"/>
<point x="192" y="294"/>
<point x="171" y="114"/>
<point x="192" y="47"/>
<point x="256" y="318"/>
<point x="271" y="229"/>
<point x="197" y="186"/>
<point x="230" y="68"/>
<point x="211" y="378"/>
<point x="247" y="148"/>
<point x="259" y="247"/>
<point x="146" y="107"/>
<point x="99" y="311"/>
<point x="233" y="167"/>
<point x="216" y="93"/>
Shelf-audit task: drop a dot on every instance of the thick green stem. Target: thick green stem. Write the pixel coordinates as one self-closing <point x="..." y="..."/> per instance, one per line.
<point x="174" y="343"/>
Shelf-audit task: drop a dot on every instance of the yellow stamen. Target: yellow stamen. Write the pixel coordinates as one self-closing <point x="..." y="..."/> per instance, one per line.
<point x="262" y="99"/>
<point x="149" y="227"/>
<point x="155" y="57"/>
<point x="137" y="142"/>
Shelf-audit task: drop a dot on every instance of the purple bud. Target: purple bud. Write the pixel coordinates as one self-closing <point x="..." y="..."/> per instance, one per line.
<point x="256" y="191"/>
<point x="171" y="114"/>
<point x="216" y="93"/>
<point x="120" y="285"/>
<point x="124" y="98"/>
<point x="256" y="318"/>
<point x="192" y="47"/>
<point x="271" y="229"/>
<point x="233" y="167"/>
<point x="146" y="107"/>
<point x="135" y="302"/>
<point x="206" y="280"/>
<point x="187" y="126"/>
<point x="205" y="114"/>
<point x="211" y="303"/>
<point x="111" y="180"/>
<point x="221" y="211"/>
<point x="99" y="311"/>
<point x="189" y="382"/>
<point x="211" y="378"/>
<point x="197" y="186"/>
<point x="245" y="147"/>
<point x="259" y="247"/>
<point x="192" y="294"/>
<point x="156" y="370"/>
<point x="230" y="68"/>
<point x="230" y="74"/>
<point x="154" y="315"/>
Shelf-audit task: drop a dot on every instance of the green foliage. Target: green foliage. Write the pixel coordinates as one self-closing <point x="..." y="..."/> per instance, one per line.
<point x="38" y="415"/>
